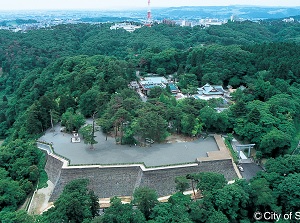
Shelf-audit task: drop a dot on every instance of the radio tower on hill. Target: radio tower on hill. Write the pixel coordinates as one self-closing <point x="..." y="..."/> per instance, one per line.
<point x="149" y="19"/>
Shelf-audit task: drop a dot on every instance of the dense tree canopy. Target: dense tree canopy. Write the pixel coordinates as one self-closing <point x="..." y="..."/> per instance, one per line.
<point x="70" y="72"/>
<point x="76" y="204"/>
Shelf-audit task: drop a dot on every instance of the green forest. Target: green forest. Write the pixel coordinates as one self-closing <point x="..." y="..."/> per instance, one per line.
<point x="71" y="72"/>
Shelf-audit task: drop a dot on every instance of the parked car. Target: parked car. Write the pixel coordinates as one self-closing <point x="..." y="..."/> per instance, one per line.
<point x="241" y="168"/>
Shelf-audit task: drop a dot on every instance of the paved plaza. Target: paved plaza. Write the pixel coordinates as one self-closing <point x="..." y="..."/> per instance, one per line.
<point x="108" y="152"/>
<point x="250" y="170"/>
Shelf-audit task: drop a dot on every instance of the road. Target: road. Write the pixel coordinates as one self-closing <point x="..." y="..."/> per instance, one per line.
<point x="250" y="170"/>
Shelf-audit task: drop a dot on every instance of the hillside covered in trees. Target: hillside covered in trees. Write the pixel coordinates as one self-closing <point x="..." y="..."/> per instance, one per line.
<point x="71" y="72"/>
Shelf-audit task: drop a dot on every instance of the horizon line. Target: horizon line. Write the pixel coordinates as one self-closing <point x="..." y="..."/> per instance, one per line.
<point x="140" y="8"/>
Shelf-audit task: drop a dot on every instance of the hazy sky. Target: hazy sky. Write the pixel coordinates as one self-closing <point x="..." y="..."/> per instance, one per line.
<point x="122" y="4"/>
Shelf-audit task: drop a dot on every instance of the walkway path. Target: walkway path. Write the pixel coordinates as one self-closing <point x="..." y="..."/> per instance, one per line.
<point x="40" y="199"/>
<point x="221" y="153"/>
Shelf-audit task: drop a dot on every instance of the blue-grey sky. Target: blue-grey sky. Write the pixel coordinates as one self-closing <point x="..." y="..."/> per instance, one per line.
<point x="123" y="4"/>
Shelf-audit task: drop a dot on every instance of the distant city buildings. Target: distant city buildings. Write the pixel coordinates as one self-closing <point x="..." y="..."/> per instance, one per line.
<point x="183" y="16"/>
<point x="169" y="22"/>
<point x="211" y="22"/>
<point x="289" y="20"/>
<point x="186" y="23"/>
<point x="39" y="21"/>
<point x="14" y="27"/>
<point x="127" y="26"/>
<point x="202" y="22"/>
<point x="48" y="19"/>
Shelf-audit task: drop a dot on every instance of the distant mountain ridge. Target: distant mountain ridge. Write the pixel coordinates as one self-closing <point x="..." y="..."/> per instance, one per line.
<point x="225" y="12"/>
<point x="173" y="13"/>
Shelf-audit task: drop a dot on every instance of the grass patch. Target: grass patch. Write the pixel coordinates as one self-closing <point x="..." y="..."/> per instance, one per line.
<point x="42" y="182"/>
<point x="234" y="154"/>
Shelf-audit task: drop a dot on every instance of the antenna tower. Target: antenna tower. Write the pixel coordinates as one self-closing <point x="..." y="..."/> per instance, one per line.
<point x="149" y="20"/>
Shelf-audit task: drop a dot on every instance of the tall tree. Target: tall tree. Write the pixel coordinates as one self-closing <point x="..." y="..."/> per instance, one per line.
<point x="262" y="197"/>
<point x="120" y="213"/>
<point x="289" y="193"/>
<point x="188" y="123"/>
<point x="210" y="182"/>
<point x="150" y="124"/>
<point x="232" y="200"/>
<point x="182" y="184"/>
<point x="254" y="116"/>
<point x="208" y="116"/>
<point x="88" y="135"/>
<point x="71" y="120"/>
<point x="275" y="143"/>
<point x="145" y="199"/>
<point x="120" y="119"/>
<point x="88" y="102"/>
<point x="81" y="204"/>
<point x="10" y="193"/>
<point x="216" y="217"/>
<point x="33" y="122"/>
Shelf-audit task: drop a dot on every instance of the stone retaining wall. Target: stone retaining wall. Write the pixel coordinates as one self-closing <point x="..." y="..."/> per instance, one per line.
<point x="163" y="181"/>
<point x="121" y="181"/>
<point x="53" y="168"/>
<point x="105" y="182"/>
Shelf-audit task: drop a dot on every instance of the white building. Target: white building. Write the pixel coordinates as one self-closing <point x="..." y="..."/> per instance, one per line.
<point x="289" y="20"/>
<point x="210" y="91"/>
<point x="127" y="26"/>
<point x="211" y="22"/>
<point x="148" y="83"/>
